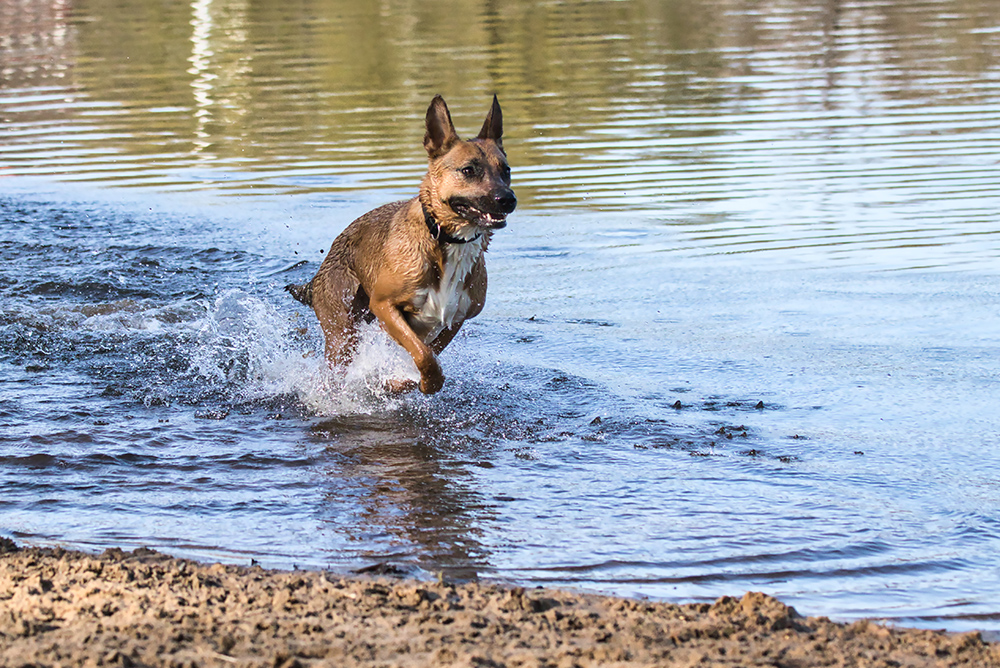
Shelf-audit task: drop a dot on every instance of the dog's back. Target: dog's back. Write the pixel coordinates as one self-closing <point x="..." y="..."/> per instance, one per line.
<point x="361" y="236"/>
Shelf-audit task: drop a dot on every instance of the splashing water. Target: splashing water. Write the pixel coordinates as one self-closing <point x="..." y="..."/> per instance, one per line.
<point x="250" y="352"/>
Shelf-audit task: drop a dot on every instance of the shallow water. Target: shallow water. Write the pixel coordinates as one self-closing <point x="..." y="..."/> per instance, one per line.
<point x="741" y="333"/>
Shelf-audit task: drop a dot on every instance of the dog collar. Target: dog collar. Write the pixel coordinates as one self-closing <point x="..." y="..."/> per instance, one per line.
<point x="438" y="233"/>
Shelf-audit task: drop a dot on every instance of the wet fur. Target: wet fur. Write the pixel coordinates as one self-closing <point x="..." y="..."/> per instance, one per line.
<point x="387" y="264"/>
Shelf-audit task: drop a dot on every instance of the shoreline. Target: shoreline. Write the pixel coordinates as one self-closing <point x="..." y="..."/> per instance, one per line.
<point x="144" y="608"/>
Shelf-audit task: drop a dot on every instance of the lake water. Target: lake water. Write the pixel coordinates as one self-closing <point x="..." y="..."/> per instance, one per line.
<point x="742" y="331"/>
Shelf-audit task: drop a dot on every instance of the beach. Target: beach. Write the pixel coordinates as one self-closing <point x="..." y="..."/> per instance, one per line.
<point x="144" y="608"/>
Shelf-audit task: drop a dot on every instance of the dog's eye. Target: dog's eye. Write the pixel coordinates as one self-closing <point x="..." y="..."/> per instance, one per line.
<point x="505" y="171"/>
<point x="469" y="171"/>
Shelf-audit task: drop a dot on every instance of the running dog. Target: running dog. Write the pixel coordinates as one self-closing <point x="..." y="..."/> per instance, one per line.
<point x="418" y="266"/>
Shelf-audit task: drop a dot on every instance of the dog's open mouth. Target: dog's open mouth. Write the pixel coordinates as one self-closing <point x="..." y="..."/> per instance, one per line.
<point x="492" y="220"/>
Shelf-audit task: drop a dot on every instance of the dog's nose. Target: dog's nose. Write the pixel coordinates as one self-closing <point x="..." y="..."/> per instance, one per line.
<point x="505" y="201"/>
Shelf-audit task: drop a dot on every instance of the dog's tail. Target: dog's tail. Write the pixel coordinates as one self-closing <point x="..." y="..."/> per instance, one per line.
<point x="302" y="293"/>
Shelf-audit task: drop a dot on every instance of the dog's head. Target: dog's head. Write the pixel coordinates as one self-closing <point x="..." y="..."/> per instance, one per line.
<point x="467" y="186"/>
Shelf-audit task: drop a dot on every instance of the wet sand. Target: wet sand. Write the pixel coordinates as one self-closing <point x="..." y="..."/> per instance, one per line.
<point x="143" y="608"/>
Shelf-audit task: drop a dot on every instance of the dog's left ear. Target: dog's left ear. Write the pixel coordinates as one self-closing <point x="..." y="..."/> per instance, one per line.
<point x="493" y="127"/>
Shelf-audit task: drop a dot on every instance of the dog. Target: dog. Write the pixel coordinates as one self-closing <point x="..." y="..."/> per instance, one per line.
<point x="418" y="266"/>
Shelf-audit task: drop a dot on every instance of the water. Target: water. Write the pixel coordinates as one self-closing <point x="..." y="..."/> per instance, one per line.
<point x="741" y="333"/>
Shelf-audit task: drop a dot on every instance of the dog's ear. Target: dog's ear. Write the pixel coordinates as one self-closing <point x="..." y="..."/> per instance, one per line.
<point x="440" y="130"/>
<point x="493" y="126"/>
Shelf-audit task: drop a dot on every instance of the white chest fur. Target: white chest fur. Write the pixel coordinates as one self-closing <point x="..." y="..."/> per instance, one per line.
<point x="438" y="308"/>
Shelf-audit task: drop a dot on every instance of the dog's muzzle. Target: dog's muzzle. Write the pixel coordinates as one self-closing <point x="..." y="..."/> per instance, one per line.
<point x="488" y="212"/>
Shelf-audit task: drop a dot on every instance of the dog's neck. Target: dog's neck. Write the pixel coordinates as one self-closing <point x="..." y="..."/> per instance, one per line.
<point x="438" y="233"/>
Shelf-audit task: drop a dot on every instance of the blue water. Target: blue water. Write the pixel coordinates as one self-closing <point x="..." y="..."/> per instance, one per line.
<point x="742" y="339"/>
<point x="833" y="444"/>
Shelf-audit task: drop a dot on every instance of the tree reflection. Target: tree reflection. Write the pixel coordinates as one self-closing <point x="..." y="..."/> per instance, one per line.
<point x="331" y="93"/>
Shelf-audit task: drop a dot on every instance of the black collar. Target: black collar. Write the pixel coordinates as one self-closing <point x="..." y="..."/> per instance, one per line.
<point x="438" y="233"/>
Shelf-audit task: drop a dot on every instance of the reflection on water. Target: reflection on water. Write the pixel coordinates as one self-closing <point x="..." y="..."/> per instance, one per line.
<point x="404" y="490"/>
<point x="824" y="125"/>
<point x="692" y="376"/>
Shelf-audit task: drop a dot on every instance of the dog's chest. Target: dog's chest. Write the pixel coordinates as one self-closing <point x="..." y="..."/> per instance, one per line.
<point x="437" y="308"/>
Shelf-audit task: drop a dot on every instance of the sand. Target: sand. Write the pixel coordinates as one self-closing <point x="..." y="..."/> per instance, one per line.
<point x="143" y="608"/>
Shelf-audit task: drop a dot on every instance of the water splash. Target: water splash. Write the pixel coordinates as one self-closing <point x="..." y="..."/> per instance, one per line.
<point x="255" y="352"/>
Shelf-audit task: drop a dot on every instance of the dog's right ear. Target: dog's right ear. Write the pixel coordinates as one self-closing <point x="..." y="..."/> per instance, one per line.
<point x="441" y="133"/>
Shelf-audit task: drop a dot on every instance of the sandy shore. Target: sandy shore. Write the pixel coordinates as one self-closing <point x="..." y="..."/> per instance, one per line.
<point x="60" y="608"/>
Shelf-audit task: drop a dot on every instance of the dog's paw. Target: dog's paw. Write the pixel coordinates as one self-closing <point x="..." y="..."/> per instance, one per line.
<point x="397" y="386"/>
<point x="431" y="382"/>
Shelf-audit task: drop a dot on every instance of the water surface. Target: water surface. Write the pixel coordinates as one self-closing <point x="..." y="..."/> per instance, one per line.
<point x="742" y="331"/>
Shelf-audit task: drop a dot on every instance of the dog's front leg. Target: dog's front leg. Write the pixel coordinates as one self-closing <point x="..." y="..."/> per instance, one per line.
<point x="445" y="337"/>
<point x="391" y="318"/>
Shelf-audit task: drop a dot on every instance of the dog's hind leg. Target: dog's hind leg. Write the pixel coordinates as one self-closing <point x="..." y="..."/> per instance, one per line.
<point x="334" y="296"/>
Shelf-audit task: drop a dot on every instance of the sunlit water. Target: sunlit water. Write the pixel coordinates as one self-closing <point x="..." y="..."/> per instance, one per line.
<point x="742" y="332"/>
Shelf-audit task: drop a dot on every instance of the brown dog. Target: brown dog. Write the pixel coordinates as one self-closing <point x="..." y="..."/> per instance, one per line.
<point x="417" y="265"/>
